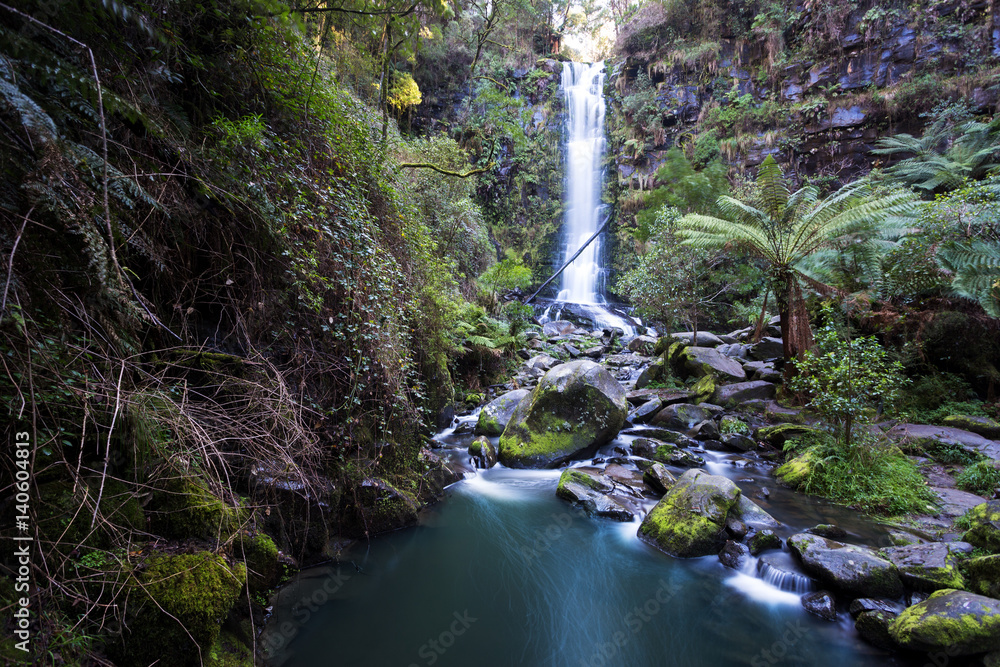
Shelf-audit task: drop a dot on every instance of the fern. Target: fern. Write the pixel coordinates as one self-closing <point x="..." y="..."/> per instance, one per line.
<point x="976" y="270"/>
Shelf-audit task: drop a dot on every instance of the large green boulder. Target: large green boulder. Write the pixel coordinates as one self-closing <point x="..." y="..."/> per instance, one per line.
<point x="984" y="426"/>
<point x="985" y="530"/>
<point x="703" y="361"/>
<point x="576" y="408"/>
<point x="494" y="416"/>
<point x="852" y="569"/>
<point x="176" y="610"/>
<point x="690" y="520"/>
<point x="958" y="622"/>
<point x="588" y="489"/>
<point x="796" y="471"/>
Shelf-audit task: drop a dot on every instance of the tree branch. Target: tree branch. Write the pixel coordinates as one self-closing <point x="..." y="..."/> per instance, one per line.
<point x="446" y="172"/>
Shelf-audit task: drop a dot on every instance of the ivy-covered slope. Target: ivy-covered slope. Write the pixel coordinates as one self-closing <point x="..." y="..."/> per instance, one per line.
<point x="228" y="315"/>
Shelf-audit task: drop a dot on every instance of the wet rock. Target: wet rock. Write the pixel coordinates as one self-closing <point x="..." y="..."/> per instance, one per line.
<point x="494" y="416"/>
<point x="658" y="478"/>
<point x="662" y="434"/>
<point x="926" y="567"/>
<point x="733" y="554"/>
<point x="666" y="452"/>
<point x="736" y="528"/>
<point x="958" y="622"/>
<point x="740" y="392"/>
<point x="849" y="568"/>
<point x="595" y="352"/>
<point x="589" y="490"/>
<point x="541" y="362"/>
<point x="665" y="396"/>
<point x="873" y="627"/>
<point x="645" y="412"/>
<point x="733" y="350"/>
<point x="690" y="519"/>
<point x="575" y="408"/>
<point x="483" y="452"/>
<point x="985" y="530"/>
<point x="753" y="514"/>
<point x="681" y="415"/>
<point x="861" y="605"/>
<point x="572" y="351"/>
<point x="739" y="443"/>
<point x="655" y="372"/>
<point x="828" y="530"/>
<point x="820" y="603"/>
<point x="706" y="430"/>
<point x="763" y="540"/>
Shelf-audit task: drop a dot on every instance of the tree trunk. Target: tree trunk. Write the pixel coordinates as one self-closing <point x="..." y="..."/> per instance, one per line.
<point x="796" y="334"/>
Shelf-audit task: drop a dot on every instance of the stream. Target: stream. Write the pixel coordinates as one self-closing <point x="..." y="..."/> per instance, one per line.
<point x="504" y="573"/>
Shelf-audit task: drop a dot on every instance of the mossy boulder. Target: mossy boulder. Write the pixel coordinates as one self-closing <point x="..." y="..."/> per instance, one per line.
<point x="229" y="651"/>
<point x="576" y="408"/>
<point x="377" y="506"/>
<point x="984" y="426"/>
<point x="703" y="389"/>
<point x="852" y="569"/>
<point x="261" y="557"/>
<point x="690" y="520"/>
<point x="494" y="416"/>
<point x="483" y="452"/>
<point x="985" y="526"/>
<point x="731" y="424"/>
<point x="666" y="453"/>
<point x="703" y="361"/>
<point x="177" y="608"/>
<point x="657" y="371"/>
<point x="729" y="395"/>
<point x="926" y="567"/>
<point x="658" y="478"/>
<point x="681" y="415"/>
<point x="795" y="472"/>
<point x="982" y="575"/>
<point x="873" y="627"/>
<point x="779" y="434"/>
<point x="762" y="541"/>
<point x="184" y="507"/>
<point x="958" y="622"/>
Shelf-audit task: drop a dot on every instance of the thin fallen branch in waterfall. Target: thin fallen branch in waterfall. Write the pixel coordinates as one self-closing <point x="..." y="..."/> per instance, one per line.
<point x="570" y="260"/>
<point x="446" y="172"/>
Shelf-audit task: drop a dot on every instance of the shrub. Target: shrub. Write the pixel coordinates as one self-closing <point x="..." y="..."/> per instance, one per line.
<point x="982" y="478"/>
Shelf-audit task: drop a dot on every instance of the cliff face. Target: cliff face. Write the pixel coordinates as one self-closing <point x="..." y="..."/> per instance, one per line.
<point x="815" y="89"/>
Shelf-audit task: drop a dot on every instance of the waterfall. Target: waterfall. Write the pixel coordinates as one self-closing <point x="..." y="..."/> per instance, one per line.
<point x="583" y="89"/>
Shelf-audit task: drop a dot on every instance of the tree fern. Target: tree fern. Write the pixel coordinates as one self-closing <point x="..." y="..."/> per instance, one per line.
<point x="976" y="270"/>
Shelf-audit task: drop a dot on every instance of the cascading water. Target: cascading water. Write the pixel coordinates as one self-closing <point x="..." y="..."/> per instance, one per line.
<point x="583" y="279"/>
<point x="583" y="89"/>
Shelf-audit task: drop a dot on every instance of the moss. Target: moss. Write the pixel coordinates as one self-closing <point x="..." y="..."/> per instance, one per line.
<point x="572" y="476"/>
<point x="794" y="473"/>
<point x="184" y="508"/>
<point x="985" y="526"/>
<point x="229" y="651"/>
<point x="982" y="575"/>
<point x="731" y="424"/>
<point x="488" y="424"/>
<point x="179" y="599"/>
<point x="703" y="389"/>
<point x="261" y="557"/>
<point x="690" y="519"/>
<point x="946" y="620"/>
<point x="778" y="434"/>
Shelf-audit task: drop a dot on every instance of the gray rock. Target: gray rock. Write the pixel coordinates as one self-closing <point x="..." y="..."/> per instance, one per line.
<point x="821" y="603"/>
<point x="655" y="372"/>
<point x="958" y="622"/>
<point x="705" y="339"/>
<point x="852" y="569"/>
<point x="557" y="328"/>
<point x="985" y="530"/>
<point x="740" y="392"/>
<point x="706" y="430"/>
<point x="861" y="605"/>
<point x="702" y="361"/>
<point x="733" y="554"/>
<point x="767" y="348"/>
<point x="541" y="362"/>
<point x="828" y="530"/>
<point x="594" y="352"/>
<point x="589" y="489"/>
<point x="643" y="345"/>
<point x="739" y="443"/>
<point x="665" y="396"/>
<point x="645" y="412"/>
<point x="984" y="426"/>
<point x="575" y="408"/>
<point x="733" y="350"/>
<point x="753" y="514"/>
<point x="681" y="415"/>
<point x="666" y="453"/>
<point x="736" y="528"/>
<point x="926" y="567"/>
<point x="494" y="416"/>
<point x="926" y="436"/>
<point x="572" y="351"/>
<point x="658" y="478"/>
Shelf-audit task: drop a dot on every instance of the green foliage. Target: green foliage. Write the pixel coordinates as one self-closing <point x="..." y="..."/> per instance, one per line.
<point x="846" y="379"/>
<point x="505" y="275"/>
<point x="982" y="477"/>
<point x="685" y="188"/>
<point x="873" y="476"/>
<point x="404" y="91"/>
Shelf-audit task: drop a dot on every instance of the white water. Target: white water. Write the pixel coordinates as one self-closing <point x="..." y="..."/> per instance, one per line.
<point x="583" y="90"/>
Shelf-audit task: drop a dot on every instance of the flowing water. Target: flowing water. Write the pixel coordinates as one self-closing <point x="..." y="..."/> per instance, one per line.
<point x="504" y="573"/>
